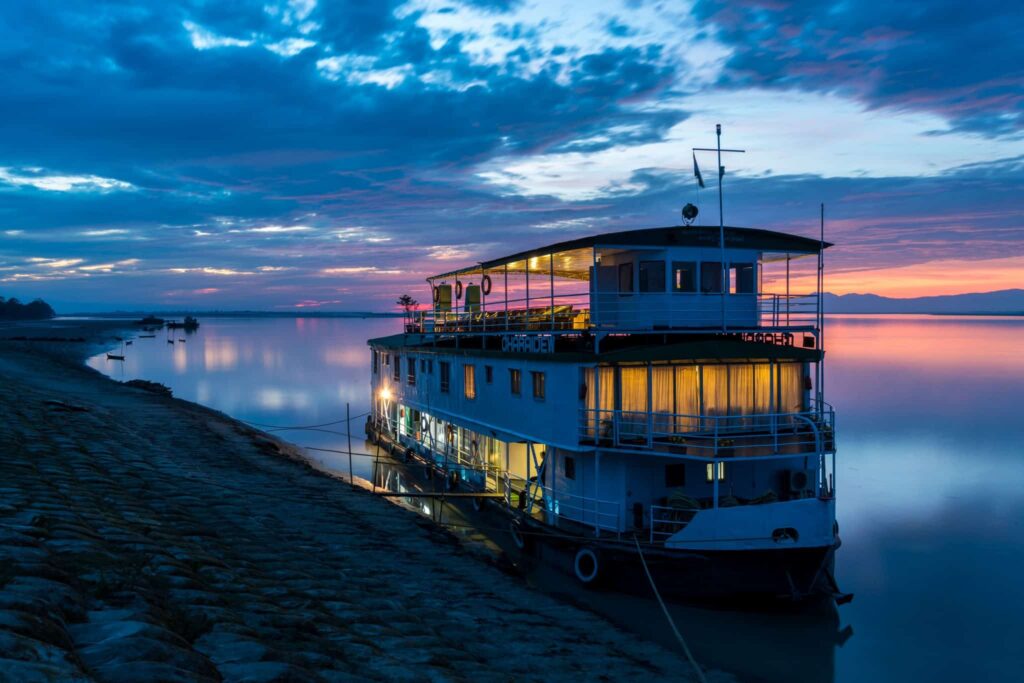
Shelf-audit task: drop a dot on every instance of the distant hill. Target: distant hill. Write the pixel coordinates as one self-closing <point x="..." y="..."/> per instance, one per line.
<point x="1003" y="302"/>
<point x="12" y="309"/>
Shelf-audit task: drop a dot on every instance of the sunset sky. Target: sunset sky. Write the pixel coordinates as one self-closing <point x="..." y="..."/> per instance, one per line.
<point x="330" y="155"/>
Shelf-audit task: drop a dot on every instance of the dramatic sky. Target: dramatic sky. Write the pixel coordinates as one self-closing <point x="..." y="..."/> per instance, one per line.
<point x="317" y="153"/>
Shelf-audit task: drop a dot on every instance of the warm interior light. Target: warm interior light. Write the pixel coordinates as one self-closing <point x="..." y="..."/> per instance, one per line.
<point x="385" y="394"/>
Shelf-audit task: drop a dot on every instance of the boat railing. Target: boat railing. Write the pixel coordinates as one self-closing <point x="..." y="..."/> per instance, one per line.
<point x="568" y="313"/>
<point x="666" y="521"/>
<point x="552" y="505"/>
<point x="711" y="436"/>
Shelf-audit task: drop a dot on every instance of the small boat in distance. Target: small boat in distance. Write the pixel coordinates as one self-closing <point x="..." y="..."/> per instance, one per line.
<point x="115" y="356"/>
<point x="170" y="341"/>
<point x="189" y="323"/>
<point x="147" y="336"/>
<point x="151" y="320"/>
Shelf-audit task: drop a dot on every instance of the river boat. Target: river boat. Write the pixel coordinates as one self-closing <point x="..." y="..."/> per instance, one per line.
<point x="636" y="407"/>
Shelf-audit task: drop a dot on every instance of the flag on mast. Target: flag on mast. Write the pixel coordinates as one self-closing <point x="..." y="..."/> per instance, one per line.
<point x="696" y="171"/>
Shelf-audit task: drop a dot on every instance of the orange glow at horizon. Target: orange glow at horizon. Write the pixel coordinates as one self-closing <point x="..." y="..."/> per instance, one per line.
<point x="935" y="278"/>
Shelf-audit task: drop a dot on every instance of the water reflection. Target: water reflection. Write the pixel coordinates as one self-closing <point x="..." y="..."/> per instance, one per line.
<point x="930" y="480"/>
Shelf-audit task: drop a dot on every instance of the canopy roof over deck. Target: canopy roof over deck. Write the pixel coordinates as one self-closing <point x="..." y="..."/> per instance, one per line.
<point x="573" y="258"/>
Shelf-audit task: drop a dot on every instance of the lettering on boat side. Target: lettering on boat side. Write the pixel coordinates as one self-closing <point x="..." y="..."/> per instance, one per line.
<point x="777" y="338"/>
<point x="522" y="343"/>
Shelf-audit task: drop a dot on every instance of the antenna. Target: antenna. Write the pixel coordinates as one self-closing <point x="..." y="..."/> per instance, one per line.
<point x="721" y="218"/>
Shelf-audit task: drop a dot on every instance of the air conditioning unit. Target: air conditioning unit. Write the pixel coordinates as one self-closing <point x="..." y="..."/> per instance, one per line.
<point x="801" y="483"/>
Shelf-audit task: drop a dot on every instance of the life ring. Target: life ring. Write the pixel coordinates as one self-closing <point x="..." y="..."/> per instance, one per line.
<point x="458" y="289"/>
<point x="437" y="294"/>
<point x="485" y="285"/>
<point x="587" y="566"/>
<point x="424" y="424"/>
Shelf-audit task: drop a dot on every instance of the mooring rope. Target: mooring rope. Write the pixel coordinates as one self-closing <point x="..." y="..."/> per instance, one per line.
<point x="664" y="609"/>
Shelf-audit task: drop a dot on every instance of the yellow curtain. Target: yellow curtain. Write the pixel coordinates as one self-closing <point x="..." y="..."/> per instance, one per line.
<point x="634" y="389"/>
<point x="763" y="388"/>
<point x="662" y="398"/>
<point x="741" y="389"/>
<point x="687" y="397"/>
<point x="715" y="389"/>
<point x="791" y="390"/>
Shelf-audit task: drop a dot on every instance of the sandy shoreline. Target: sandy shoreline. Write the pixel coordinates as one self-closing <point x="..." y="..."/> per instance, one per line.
<point x="148" y="538"/>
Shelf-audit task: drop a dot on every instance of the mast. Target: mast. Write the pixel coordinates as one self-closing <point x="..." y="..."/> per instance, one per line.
<point x="721" y="223"/>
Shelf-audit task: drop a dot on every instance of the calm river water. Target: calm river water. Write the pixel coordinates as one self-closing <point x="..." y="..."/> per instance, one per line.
<point x="930" y="484"/>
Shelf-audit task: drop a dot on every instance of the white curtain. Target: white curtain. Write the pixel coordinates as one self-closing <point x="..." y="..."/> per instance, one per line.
<point x="741" y="389"/>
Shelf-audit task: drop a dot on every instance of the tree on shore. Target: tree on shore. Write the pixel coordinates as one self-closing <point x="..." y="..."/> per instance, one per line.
<point x="12" y="309"/>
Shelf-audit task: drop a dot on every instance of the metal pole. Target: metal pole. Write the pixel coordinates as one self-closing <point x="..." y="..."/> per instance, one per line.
<point x="348" y="431"/>
<point x="506" y="297"/>
<point x="551" y="270"/>
<point x="721" y="222"/>
<point x="821" y="311"/>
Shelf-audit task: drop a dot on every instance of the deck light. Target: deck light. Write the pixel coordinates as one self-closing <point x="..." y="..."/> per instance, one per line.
<point x="385" y="394"/>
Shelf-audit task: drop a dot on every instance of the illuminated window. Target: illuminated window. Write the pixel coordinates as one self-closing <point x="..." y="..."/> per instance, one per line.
<point x="684" y="276"/>
<point x="652" y="276"/>
<point x="515" y="379"/>
<point x="445" y="372"/>
<point x="539" y="385"/>
<point x="711" y="277"/>
<point x="721" y="472"/>
<point x="469" y="381"/>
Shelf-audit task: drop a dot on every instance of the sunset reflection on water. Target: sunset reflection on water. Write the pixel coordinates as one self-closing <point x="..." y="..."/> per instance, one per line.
<point x="930" y="483"/>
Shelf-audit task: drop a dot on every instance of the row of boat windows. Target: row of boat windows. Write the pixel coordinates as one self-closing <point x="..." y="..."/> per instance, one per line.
<point x="685" y="276"/>
<point x="538" y="380"/>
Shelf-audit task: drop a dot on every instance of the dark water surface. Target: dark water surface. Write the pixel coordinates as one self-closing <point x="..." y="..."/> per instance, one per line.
<point x="930" y="484"/>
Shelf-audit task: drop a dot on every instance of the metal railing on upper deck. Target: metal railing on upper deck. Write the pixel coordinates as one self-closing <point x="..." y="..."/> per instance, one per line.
<point x="710" y="436"/>
<point x="614" y="312"/>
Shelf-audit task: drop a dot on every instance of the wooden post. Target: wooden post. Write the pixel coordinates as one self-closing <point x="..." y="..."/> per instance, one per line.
<point x="348" y="431"/>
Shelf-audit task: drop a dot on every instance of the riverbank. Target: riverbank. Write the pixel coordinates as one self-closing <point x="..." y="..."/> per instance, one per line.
<point x="144" y="537"/>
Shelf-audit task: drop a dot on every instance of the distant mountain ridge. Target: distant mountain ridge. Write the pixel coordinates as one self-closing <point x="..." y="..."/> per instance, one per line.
<point x="1002" y="302"/>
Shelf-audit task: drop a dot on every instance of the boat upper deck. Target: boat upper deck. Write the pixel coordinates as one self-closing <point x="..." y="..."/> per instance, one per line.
<point x="686" y="279"/>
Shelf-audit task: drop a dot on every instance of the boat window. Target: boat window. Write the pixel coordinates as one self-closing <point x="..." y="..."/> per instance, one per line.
<point x="489" y="374"/>
<point x="709" y="470"/>
<point x="398" y="369"/>
<point x="675" y="475"/>
<point x="741" y="278"/>
<point x="387" y="359"/>
<point x="711" y="277"/>
<point x="652" y="276"/>
<point x="469" y="381"/>
<point x="570" y="467"/>
<point x="515" y="378"/>
<point x="539" y="388"/>
<point x="684" y="276"/>
<point x="626" y="278"/>
<point x="376" y="360"/>
<point x="412" y="372"/>
<point x="445" y="369"/>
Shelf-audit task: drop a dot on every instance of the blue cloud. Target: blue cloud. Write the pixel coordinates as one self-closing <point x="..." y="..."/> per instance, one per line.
<point x="963" y="60"/>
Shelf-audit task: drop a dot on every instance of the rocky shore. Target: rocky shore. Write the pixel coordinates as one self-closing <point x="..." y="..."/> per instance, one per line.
<point x="144" y="538"/>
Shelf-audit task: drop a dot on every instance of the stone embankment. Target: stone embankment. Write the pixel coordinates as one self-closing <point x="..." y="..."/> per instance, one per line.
<point x="146" y="538"/>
